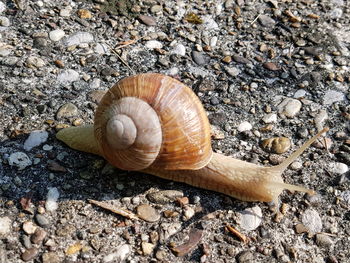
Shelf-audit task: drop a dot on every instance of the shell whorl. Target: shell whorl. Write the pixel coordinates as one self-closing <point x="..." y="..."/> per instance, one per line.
<point x="172" y="130"/>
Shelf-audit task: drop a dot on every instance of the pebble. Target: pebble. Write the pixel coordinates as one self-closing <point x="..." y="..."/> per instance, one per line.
<point x="296" y="166"/>
<point x="312" y="221"/>
<point x="51" y="257"/>
<point x="270" y="118"/>
<point x="35" y="138"/>
<point x="250" y="218"/>
<point x="29" y="227"/>
<point x="152" y="44"/>
<point x="300" y="93"/>
<point x="170" y="229"/>
<point x="232" y="71"/>
<point x="323" y="240"/>
<point x="4" y="21"/>
<point x="188" y="212"/>
<point x="289" y="107"/>
<point x="276" y="144"/>
<point x="148" y="20"/>
<point x="20" y="160"/>
<point x="179" y="49"/>
<point x="5" y="225"/>
<point x="51" y="199"/>
<point x="246" y="257"/>
<point x="101" y="49"/>
<point x="209" y="23"/>
<point x="56" y="35"/>
<point x="79" y="38"/>
<point x="198" y="58"/>
<point x="320" y="118"/>
<point x="35" y="62"/>
<point x="67" y="76"/>
<point x="122" y="252"/>
<point x="67" y="110"/>
<point x="147" y="213"/>
<point x="346" y="196"/>
<point x="26" y="241"/>
<point x="266" y="21"/>
<point x="42" y="220"/>
<point x="271" y="66"/>
<point x="339" y="168"/>
<point x="332" y="96"/>
<point x="84" y="14"/>
<point x="244" y="126"/>
<point x="38" y="237"/>
<point x="164" y="197"/>
<point x="147" y="248"/>
<point x="2" y="7"/>
<point x="30" y="254"/>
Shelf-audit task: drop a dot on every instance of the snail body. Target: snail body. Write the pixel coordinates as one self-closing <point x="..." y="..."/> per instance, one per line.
<point x="155" y="124"/>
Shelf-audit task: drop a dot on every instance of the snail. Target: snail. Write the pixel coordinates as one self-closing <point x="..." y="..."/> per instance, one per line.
<point x="157" y="125"/>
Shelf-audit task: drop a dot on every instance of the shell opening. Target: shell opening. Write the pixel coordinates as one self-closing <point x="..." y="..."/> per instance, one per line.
<point x="121" y="132"/>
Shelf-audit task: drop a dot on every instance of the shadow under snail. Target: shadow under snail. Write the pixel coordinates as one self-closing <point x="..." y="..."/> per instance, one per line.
<point x="157" y="125"/>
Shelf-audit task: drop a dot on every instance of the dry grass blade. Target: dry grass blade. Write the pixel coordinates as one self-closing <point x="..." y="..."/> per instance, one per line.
<point x="238" y="234"/>
<point x="116" y="210"/>
<point x="125" y="43"/>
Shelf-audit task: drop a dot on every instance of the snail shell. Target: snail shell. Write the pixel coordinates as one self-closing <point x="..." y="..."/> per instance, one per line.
<point x="151" y="120"/>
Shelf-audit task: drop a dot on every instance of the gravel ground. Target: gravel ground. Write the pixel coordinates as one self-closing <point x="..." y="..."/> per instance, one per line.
<point x="263" y="70"/>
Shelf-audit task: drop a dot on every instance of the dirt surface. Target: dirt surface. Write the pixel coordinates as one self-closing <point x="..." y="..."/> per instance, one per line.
<point x="262" y="69"/>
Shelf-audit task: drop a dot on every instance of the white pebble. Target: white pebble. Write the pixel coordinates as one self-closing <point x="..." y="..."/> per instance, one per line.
<point x="79" y="38"/>
<point x="5" y="225"/>
<point x="233" y="71"/>
<point x="36" y="62"/>
<point x="296" y="166"/>
<point x="209" y="23"/>
<point x="2" y="7"/>
<point x="172" y="71"/>
<point x="20" y="160"/>
<point x="332" y="96"/>
<point x="270" y="118"/>
<point x="189" y="212"/>
<point x="339" y="168"/>
<point x="101" y="49"/>
<point x="65" y="12"/>
<point x="4" y="21"/>
<point x="320" y="118"/>
<point x="244" y="126"/>
<point x="56" y="35"/>
<point x="312" y="221"/>
<point x="250" y="218"/>
<point x="35" y="139"/>
<point x="51" y="199"/>
<point x="152" y="44"/>
<point x="289" y="107"/>
<point x="119" y="256"/>
<point x="47" y="147"/>
<point x="68" y="75"/>
<point x="179" y="49"/>
<point x="213" y="41"/>
<point x="300" y="93"/>
<point x="346" y="196"/>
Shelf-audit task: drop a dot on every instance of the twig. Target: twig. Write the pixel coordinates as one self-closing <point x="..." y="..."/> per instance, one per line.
<point x="116" y="210"/>
<point x="256" y="18"/>
<point x="121" y="59"/>
<point x="238" y="234"/>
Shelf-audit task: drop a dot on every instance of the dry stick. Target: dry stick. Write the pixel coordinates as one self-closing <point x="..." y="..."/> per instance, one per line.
<point x="256" y="18"/>
<point x="238" y="234"/>
<point x="117" y="210"/>
<point x="121" y="59"/>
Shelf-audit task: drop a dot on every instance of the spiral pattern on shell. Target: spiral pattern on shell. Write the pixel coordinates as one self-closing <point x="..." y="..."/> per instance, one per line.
<point x="152" y="120"/>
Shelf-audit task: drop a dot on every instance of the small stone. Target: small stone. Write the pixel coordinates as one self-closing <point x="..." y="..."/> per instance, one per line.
<point x="26" y="241"/>
<point x="55" y="167"/>
<point x="73" y="249"/>
<point x="339" y="168"/>
<point x="332" y="96"/>
<point x="153" y="44"/>
<point x="244" y="126"/>
<point x="289" y="107"/>
<point x="20" y="160"/>
<point x="320" y="118"/>
<point x="312" y="221"/>
<point x="101" y="49"/>
<point x="79" y="38"/>
<point x="276" y="144"/>
<point x="42" y="220"/>
<point x="148" y="213"/>
<point x="164" y="197"/>
<point x="270" y="118"/>
<point x="188" y="212"/>
<point x="296" y="166"/>
<point x="227" y="59"/>
<point x="266" y="21"/>
<point x="51" y="257"/>
<point x="300" y="228"/>
<point x="250" y="218"/>
<point x="179" y="49"/>
<point x="68" y="76"/>
<point x="122" y="252"/>
<point x="66" y="12"/>
<point x="38" y="236"/>
<point x="198" y="58"/>
<point x="5" y="225"/>
<point x="240" y="59"/>
<point x="30" y="254"/>
<point x="271" y="66"/>
<point x="346" y="196"/>
<point x="300" y="93"/>
<point x="35" y="139"/>
<point x="51" y="199"/>
<point x="35" y="62"/>
<point x="29" y="227"/>
<point x="56" y="35"/>
<point x="67" y="110"/>
<point x="323" y="240"/>
<point x="4" y="21"/>
<point x="245" y="257"/>
<point x="84" y="14"/>
<point x="147" y="248"/>
<point x="2" y="7"/>
<point x="232" y="71"/>
<point x="214" y="101"/>
<point x="156" y="9"/>
<point x="148" y="20"/>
